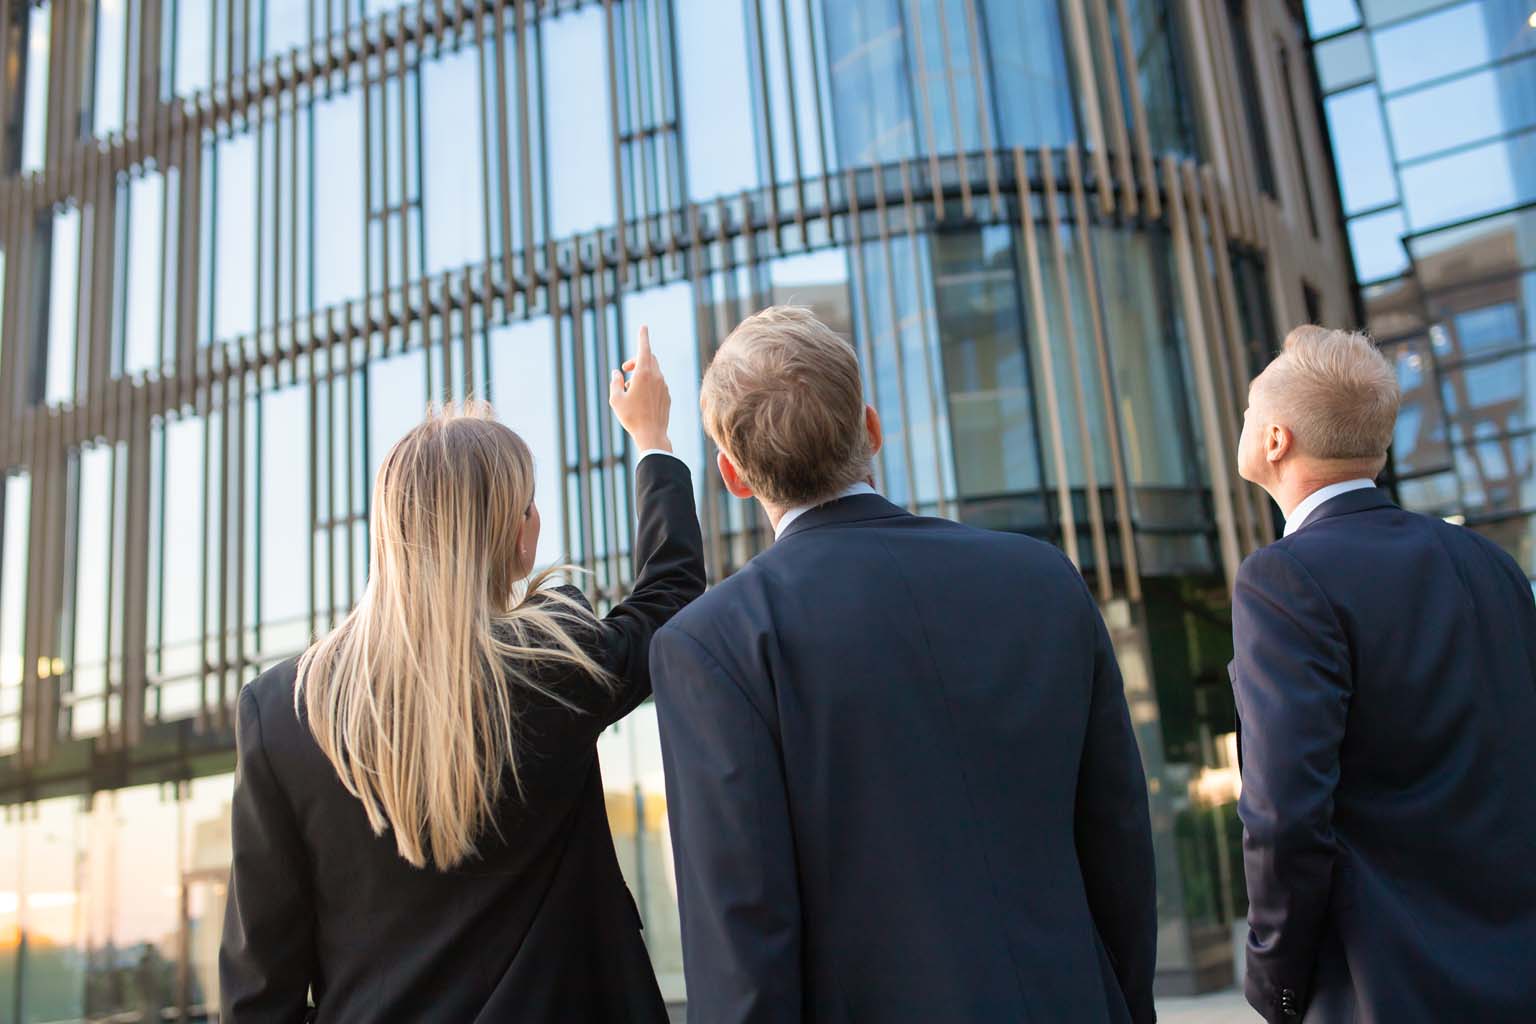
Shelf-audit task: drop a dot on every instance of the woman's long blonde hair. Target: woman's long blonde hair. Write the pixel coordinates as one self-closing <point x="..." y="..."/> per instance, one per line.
<point x="414" y="698"/>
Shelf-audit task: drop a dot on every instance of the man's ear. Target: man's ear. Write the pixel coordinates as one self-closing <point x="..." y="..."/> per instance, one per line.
<point x="732" y="477"/>
<point x="1278" y="442"/>
<point x="875" y="430"/>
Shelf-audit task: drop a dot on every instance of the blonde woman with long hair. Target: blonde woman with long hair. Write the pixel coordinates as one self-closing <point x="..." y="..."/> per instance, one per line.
<point x="419" y="826"/>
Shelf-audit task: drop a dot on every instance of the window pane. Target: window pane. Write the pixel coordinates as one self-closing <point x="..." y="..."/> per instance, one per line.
<point x="712" y="52"/>
<point x="53" y="976"/>
<point x="1480" y="105"/>
<point x="63" y="305"/>
<point x="1360" y="149"/>
<point x="669" y="314"/>
<point x="35" y="112"/>
<point x="1344" y="61"/>
<point x="234" y="227"/>
<point x="1432" y="46"/>
<point x="144" y="226"/>
<point x="204" y="839"/>
<point x="1471" y="182"/>
<point x="452" y="161"/>
<point x="523" y="391"/>
<point x="193" y="67"/>
<point x="578" y="137"/>
<point x="181" y="546"/>
<point x="111" y="53"/>
<point x="131" y="902"/>
<point x="1169" y="117"/>
<point x="871" y="83"/>
<point x="92" y="599"/>
<point x="1030" y="82"/>
<point x="287" y="25"/>
<point x="1325" y="17"/>
<point x="13" y="597"/>
<point x="986" y="364"/>
<point x="1377" y="241"/>
<point x="284" y="514"/>
<point x="397" y="401"/>
<point x="338" y="198"/>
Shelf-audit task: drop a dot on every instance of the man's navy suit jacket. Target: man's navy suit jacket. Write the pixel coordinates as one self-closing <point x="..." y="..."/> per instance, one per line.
<point x="1386" y="691"/>
<point x="903" y="785"/>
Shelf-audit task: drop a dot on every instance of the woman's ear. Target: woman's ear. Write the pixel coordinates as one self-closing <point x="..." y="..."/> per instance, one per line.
<point x="732" y="477"/>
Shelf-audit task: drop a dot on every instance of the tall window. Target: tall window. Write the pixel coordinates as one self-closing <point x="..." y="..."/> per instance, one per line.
<point x="35" y="105"/>
<point x="63" y="305"/>
<point x="13" y="607"/>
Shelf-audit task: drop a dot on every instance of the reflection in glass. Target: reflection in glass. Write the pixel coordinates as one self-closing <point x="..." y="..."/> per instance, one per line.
<point x="13" y="596"/>
<point x="51" y="912"/>
<point x="63" y="305"/>
<point x="1170" y="119"/>
<point x="986" y="366"/>
<point x="635" y="793"/>
<point x="132" y="903"/>
<point x="204" y="860"/>
<point x="871" y="82"/>
<point x="1031" y="86"/>
<point x="1145" y="335"/>
<point x="35" y="105"/>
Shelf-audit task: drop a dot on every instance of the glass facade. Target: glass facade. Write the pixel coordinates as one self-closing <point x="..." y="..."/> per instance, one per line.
<point x="243" y="251"/>
<point x="1432" y="109"/>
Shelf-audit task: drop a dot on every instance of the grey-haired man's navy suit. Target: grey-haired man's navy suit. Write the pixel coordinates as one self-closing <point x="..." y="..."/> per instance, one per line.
<point x="1386" y="689"/>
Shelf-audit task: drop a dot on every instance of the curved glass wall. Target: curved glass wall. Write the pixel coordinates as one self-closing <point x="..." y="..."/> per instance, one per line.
<point x="260" y="248"/>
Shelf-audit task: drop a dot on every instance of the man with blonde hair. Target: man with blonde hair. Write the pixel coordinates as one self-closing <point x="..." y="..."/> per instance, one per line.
<point x="1385" y="682"/>
<point x="901" y="776"/>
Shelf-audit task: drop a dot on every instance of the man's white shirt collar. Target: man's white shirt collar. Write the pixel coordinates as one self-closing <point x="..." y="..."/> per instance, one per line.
<point x="796" y="513"/>
<point x="1310" y="503"/>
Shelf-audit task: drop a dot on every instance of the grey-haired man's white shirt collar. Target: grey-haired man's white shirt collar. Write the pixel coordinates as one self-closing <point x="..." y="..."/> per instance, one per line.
<point x="795" y="513"/>
<point x="1310" y="503"/>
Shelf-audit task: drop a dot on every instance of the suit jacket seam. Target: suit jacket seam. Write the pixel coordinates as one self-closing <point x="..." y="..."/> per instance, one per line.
<point x="710" y="657"/>
<point x="965" y="776"/>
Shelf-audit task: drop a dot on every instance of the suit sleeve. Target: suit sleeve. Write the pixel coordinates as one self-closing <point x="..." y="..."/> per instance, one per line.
<point x="1114" y="833"/>
<point x="738" y="889"/>
<point x="669" y="573"/>
<point x="1292" y="683"/>
<point x="267" y="958"/>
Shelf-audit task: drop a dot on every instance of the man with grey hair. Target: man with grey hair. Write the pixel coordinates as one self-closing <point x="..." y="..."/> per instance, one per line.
<point x="901" y="778"/>
<point x="1385" y="682"/>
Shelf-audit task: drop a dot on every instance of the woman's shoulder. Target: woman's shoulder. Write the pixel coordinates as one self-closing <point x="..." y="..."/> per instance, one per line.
<point x="268" y="700"/>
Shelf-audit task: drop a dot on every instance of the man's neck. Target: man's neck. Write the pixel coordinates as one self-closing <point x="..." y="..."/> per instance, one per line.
<point x="1302" y="482"/>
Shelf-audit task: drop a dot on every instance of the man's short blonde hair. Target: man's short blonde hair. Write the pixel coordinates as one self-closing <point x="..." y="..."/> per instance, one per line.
<point x="1335" y="391"/>
<point x="783" y="399"/>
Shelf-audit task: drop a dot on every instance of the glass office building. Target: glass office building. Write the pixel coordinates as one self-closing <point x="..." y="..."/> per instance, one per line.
<point x="247" y="242"/>
<point x="1432" y="108"/>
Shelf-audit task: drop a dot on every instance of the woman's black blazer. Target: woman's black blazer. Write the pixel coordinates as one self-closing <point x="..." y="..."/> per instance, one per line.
<point x="538" y="927"/>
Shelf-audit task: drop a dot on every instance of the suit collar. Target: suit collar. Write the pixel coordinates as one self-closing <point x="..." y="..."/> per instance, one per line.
<point x="855" y="509"/>
<point x="1349" y="503"/>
